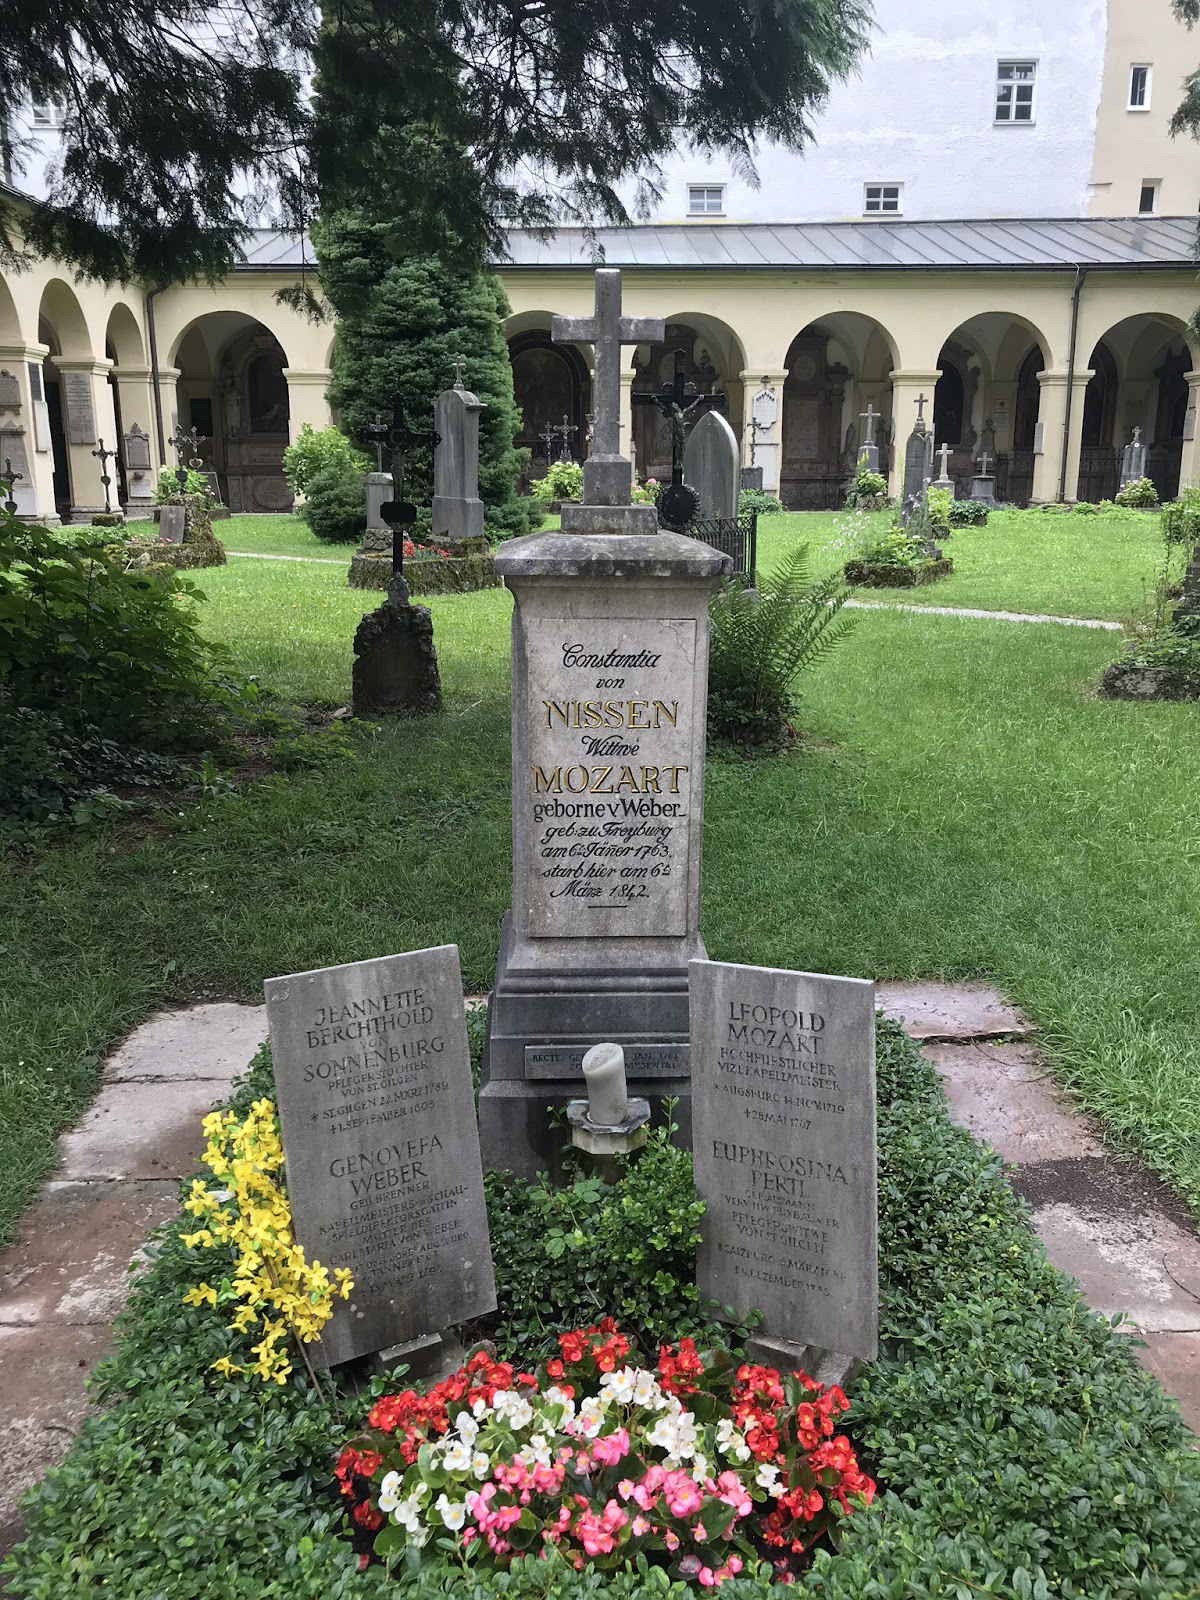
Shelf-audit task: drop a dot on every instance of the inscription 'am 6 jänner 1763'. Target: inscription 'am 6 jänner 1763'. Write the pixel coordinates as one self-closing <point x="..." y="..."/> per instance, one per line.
<point x="373" y="1081"/>
<point x="610" y="781"/>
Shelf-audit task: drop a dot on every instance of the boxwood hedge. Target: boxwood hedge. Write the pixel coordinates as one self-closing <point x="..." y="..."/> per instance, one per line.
<point x="1021" y="1451"/>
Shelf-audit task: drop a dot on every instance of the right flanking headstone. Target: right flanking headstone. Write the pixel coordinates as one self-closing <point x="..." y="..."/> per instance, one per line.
<point x="783" y="1085"/>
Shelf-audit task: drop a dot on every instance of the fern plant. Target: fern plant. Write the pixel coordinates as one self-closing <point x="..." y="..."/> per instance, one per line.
<point x="762" y="639"/>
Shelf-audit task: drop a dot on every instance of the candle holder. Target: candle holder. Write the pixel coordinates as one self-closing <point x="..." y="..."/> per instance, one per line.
<point x="608" y="1123"/>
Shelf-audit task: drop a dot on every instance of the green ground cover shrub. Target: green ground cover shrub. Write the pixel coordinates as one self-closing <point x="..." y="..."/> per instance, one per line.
<point x="1140" y="494"/>
<point x="167" y="487"/>
<point x="969" y="513"/>
<point x="758" y="500"/>
<point x="1019" y="1449"/>
<point x="563" y="481"/>
<point x="336" y="505"/>
<point x="761" y="640"/>
<point x="868" y="489"/>
<point x="316" y="449"/>
<point x="940" y="502"/>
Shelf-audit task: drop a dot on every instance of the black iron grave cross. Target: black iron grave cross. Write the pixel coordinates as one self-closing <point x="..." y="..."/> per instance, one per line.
<point x="399" y="513"/>
<point x="564" y="431"/>
<point x="11" y="478"/>
<point x="679" y="402"/>
<point x="377" y="431"/>
<point x="104" y="457"/>
<point x="187" y="448"/>
<point x="547" y="439"/>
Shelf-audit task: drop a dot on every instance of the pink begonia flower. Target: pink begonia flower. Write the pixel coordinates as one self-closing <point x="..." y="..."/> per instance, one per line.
<point x="640" y="1526"/>
<point x="707" y="1578"/>
<point x="614" y="1517"/>
<point x="625" y="1488"/>
<point x="669" y="1539"/>
<point x="699" y="1534"/>
<point x="613" y="1447"/>
<point x="547" y="1480"/>
<point x="730" y="1488"/>
<point x="683" y="1497"/>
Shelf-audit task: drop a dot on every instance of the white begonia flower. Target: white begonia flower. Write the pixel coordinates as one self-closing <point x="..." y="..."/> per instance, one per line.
<point x="664" y="1435"/>
<point x="619" y="1385"/>
<point x="731" y="1441"/>
<point x="767" y="1477"/>
<point x="419" y="1536"/>
<point x="519" y="1414"/>
<point x="389" y="1497"/>
<point x="466" y="1427"/>
<point x="646" y="1391"/>
<point x="480" y="1407"/>
<point x="457" y="1457"/>
<point x="481" y="1463"/>
<point x="408" y="1514"/>
<point x="539" y="1446"/>
<point x="699" y="1469"/>
<point x="453" y="1512"/>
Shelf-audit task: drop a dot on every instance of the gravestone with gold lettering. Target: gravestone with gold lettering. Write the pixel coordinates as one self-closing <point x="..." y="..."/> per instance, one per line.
<point x="609" y="695"/>
<point x="373" y="1084"/>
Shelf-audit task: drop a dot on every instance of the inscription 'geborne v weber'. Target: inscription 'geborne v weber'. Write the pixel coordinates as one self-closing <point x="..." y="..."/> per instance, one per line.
<point x="373" y="1081"/>
<point x="610" y="781"/>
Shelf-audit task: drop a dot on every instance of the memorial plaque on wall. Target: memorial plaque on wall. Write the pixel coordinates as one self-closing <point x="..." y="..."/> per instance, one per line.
<point x="611" y="709"/>
<point x="783" y="1117"/>
<point x="81" y="418"/>
<point x="373" y="1080"/>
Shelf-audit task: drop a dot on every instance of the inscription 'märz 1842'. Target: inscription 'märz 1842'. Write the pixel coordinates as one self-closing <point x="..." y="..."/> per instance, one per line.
<point x="610" y="781"/>
<point x="373" y="1081"/>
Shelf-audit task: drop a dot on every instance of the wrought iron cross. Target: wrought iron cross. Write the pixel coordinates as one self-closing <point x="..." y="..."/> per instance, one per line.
<point x="12" y="478"/>
<point x="679" y="401"/>
<point x="189" y="442"/>
<point x="564" y="431"/>
<point x="104" y="457"/>
<point x="547" y="439"/>
<point x="398" y="513"/>
<point x="377" y="431"/>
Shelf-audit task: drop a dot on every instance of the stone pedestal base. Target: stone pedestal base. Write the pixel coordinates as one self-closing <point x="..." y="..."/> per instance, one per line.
<point x="984" y="488"/>
<point x="540" y="1026"/>
<point x="378" y="489"/>
<point x="395" y="666"/>
<point x="429" y="1359"/>
<point x="827" y="1367"/>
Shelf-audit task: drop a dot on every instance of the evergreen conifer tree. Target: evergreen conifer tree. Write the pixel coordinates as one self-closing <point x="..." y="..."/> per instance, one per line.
<point x="400" y="326"/>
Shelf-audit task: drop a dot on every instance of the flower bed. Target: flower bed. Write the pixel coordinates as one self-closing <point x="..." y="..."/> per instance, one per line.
<point x="1021" y="1449"/>
<point x="875" y="575"/>
<point x="699" y="1464"/>
<point x="427" y="569"/>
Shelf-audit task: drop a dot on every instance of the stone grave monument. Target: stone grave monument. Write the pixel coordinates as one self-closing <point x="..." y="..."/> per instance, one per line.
<point x="373" y="1084"/>
<point x="983" y="484"/>
<point x="139" y="473"/>
<point x="395" y="671"/>
<point x="712" y="466"/>
<point x="1133" y="459"/>
<point x="783" y="1115"/>
<point x="15" y="469"/>
<point x="943" y="479"/>
<point x="609" y="692"/>
<point x="868" y="450"/>
<point x="457" y="508"/>
<point x="918" y="461"/>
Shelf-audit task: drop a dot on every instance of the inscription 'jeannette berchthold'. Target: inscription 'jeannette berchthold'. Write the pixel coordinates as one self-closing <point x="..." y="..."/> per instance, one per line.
<point x="610" y="779"/>
<point x="783" y="1086"/>
<point x="373" y="1081"/>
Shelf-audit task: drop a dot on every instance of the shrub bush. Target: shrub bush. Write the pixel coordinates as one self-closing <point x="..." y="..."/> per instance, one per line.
<point x="101" y="647"/>
<point x="868" y="489"/>
<point x="512" y="518"/>
<point x="316" y="449"/>
<point x="563" y="481"/>
<point x="940" y="502"/>
<point x="336" y="505"/>
<point x="167" y="488"/>
<point x="1084" y="508"/>
<point x="761" y="641"/>
<point x="1180" y="520"/>
<point x="968" y="513"/>
<point x="894" y="548"/>
<point x="758" y="500"/>
<point x="1140" y="494"/>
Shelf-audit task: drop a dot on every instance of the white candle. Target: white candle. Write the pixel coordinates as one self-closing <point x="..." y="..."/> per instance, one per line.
<point x="604" y="1073"/>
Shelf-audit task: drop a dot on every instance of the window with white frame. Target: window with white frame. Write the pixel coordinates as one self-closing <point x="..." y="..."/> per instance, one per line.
<point x="1139" y="88"/>
<point x="45" y="114"/>
<point x="1148" y="198"/>
<point x="1015" y="84"/>
<point x="706" y="199"/>
<point x="881" y="197"/>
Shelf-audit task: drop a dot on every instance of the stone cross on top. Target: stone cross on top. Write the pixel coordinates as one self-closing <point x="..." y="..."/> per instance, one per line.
<point x="458" y="364"/>
<point x="944" y="452"/>
<point x="984" y="463"/>
<point x="1137" y="436"/>
<point x="607" y="474"/>
<point x="870" y="416"/>
<point x="921" y="402"/>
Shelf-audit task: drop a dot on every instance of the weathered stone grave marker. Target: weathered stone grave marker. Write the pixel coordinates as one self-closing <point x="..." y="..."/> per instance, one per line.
<point x="172" y="524"/>
<point x="783" y="1114"/>
<point x="457" y="510"/>
<point x="712" y="466"/>
<point x="1133" y="459"/>
<point x="373" y="1083"/>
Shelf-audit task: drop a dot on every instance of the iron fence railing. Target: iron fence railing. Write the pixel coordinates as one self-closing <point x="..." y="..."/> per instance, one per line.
<point x="735" y="536"/>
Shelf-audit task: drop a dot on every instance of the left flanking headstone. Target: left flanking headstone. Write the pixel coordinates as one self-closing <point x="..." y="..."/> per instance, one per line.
<point x="783" y="1119"/>
<point x="373" y="1084"/>
<point x="172" y="524"/>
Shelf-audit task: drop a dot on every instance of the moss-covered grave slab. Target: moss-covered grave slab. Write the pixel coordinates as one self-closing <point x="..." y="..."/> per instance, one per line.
<point x="874" y="575"/>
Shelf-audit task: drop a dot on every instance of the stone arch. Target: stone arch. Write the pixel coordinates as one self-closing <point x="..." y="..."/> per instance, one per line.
<point x="713" y="361"/>
<point x="231" y="388"/>
<point x="1099" y="456"/>
<point x="10" y="320"/>
<point x="1149" y="357"/>
<point x="837" y="365"/>
<point x="998" y="354"/>
<point x="60" y="311"/>
<point x="63" y="328"/>
<point x="123" y="337"/>
<point x="550" y="381"/>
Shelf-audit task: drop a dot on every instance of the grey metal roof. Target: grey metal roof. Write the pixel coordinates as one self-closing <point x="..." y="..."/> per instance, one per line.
<point x="1019" y="243"/>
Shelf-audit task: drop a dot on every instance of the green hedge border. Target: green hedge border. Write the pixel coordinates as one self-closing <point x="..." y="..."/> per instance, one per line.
<point x="1020" y="1450"/>
<point x="874" y="575"/>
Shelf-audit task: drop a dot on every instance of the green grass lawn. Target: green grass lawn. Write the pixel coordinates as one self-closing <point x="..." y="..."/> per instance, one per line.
<point x="282" y="535"/>
<point x="1064" y="566"/>
<point x="965" y="807"/>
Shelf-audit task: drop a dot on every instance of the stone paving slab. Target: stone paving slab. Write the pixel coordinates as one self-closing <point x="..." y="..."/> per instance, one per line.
<point x="951" y="1010"/>
<point x="987" y="616"/>
<point x="1002" y="1094"/>
<point x="138" y="1130"/>
<point x="213" y="1041"/>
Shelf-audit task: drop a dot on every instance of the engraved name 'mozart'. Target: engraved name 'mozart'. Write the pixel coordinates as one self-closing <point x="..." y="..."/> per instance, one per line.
<point x="579" y="779"/>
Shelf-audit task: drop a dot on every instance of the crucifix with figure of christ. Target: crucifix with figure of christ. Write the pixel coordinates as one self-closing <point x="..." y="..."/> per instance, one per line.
<point x="11" y="478"/>
<point x="399" y="514"/>
<point x="679" y="402"/>
<point x="607" y="474"/>
<point x="564" y="431"/>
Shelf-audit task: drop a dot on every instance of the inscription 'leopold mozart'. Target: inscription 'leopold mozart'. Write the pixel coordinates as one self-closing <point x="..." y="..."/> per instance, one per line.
<point x="610" y="776"/>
